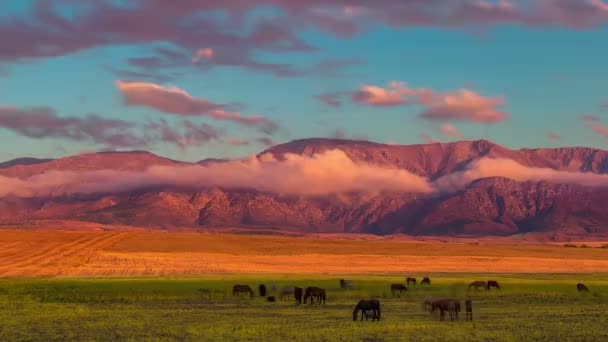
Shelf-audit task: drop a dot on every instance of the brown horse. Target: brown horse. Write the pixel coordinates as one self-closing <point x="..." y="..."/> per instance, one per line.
<point x="452" y="306"/>
<point x="410" y="280"/>
<point x="372" y="305"/>
<point x="314" y="293"/>
<point x="479" y="284"/>
<point x="493" y="283"/>
<point x="427" y="303"/>
<point x="398" y="288"/>
<point x="468" y="303"/>
<point x="580" y="287"/>
<point x="238" y="289"/>
<point x="426" y="281"/>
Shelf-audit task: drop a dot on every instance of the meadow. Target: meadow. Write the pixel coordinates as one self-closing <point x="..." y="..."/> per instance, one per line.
<point x="529" y="307"/>
<point x="94" y="254"/>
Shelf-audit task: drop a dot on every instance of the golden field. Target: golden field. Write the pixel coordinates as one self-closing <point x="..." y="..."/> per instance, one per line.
<point x="140" y="253"/>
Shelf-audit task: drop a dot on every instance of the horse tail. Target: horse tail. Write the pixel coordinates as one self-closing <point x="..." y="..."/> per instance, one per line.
<point x="323" y="297"/>
<point x="378" y="310"/>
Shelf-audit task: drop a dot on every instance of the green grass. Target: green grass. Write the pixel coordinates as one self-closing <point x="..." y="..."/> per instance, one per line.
<point x="530" y="307"/>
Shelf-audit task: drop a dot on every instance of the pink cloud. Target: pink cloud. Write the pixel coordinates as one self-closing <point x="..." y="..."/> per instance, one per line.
<point x="451" y="131"/>
<point x="331" y="172"/>
<point x="206" y="53"/>
<point x="508" y="168"/>
<point x="599" y="129"/>
<point x="553" y="136"/>
<point x="394" y="94"/>
<point x="45" y="31"/>
<point x="427" y="139"/>
<point x="236" y="142"/>
<point x="174" y="100"/>
<point x="463" y="105"/>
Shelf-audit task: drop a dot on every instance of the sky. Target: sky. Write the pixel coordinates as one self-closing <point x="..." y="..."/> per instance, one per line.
<point x="197" y="79"/>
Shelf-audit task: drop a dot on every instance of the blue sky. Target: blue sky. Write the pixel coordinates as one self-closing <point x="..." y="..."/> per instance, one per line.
<point x="547" y="74"/>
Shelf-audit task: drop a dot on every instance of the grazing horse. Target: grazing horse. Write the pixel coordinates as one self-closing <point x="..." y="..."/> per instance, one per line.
<point x="426" y="281"/>
<point x="346" y="284"/>
<point x="478" y="284"/>
<point x="372" y="305"/>
<point x="262" y="289"/>
<point x="410" y="280"/>
<point x="452" y="306"/>
<point x="286" y="292"/>
<point x="427" y="303"/>
<point x="238" y="289"/>
<point x="580" y="287"/>
<point x="314" y="293"/>
<point x="469" y="309"/>
<point x="398" y="288"/>
<point x="493" y="283"/>
<point x="297" y="292"/>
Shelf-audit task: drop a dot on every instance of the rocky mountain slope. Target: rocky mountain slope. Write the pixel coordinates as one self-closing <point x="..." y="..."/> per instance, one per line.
<point x="487" y="206"/>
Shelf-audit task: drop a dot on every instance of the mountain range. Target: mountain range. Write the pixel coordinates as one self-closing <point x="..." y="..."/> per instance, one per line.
<point x="487" y="206"/>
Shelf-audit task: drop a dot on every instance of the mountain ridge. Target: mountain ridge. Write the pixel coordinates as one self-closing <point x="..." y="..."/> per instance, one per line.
<point x="490" y="206"/>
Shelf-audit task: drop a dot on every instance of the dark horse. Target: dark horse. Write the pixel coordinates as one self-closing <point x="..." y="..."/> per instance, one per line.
<point x="262" y="289"/>
<point x="297" y="292"/>
<point x="493" y="283"/>
<point x="452" y="306"/>
<point x="238" y="289"/>
<point x="398" y="288"/>
<point x="426" y="281"/>
<point x="478" y="284"/>
<point x="410" y="280"/>
<point x="581" y="288"/>
<point x="314" y="293"/>
<point x="365" y="306"/>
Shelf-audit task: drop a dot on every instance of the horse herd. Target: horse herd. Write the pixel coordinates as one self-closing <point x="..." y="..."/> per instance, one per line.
<point x="371" y="308"/>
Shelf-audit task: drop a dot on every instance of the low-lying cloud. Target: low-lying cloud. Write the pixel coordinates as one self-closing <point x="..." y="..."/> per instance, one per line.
<point x="328" y="173"/>
<point x="507" y="168"/>
<point x="332" y="172"/>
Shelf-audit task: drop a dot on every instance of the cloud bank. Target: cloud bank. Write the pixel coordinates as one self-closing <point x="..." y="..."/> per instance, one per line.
<point x="332" y="172"/>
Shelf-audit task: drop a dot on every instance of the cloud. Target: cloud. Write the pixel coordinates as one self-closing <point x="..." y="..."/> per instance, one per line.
<point x="206" y="53"/>
<point x="330" y="99"/>
<point x="43" y="123"/>
<point x="428" y="139"/>
<point x="599" y="129"/>
<point x="236" y="142"/>
<point x="331" y="172"/>
<point x="45" y="30"/>
<point x="508" y="168"/>
<point x="463" y="105"/>
<point x="173" y="100"/>
<point x="394" y="94"/>
<point x="451" y="131"/>
<point x="590" y="118"/>
<point x="553" y="136"/>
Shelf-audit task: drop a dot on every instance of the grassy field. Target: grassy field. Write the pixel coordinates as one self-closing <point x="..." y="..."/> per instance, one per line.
<point x="530" y="307"/>
<point x="61" y="253"/>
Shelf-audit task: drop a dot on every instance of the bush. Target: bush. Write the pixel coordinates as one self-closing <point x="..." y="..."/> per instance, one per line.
<point x="569" y="245"/>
